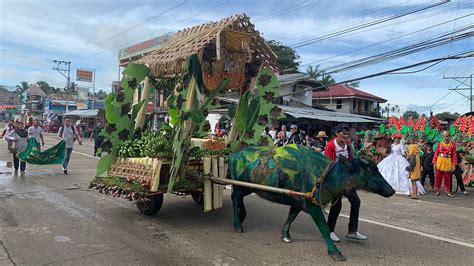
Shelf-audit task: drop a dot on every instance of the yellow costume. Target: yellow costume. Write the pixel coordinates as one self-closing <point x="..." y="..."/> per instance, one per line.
<point x="414" y="152"/>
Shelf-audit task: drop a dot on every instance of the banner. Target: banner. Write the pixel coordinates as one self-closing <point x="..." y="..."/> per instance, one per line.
<point x="53" y="155"/>
<point x="143" y="47"/>
<point x="84" y="75"/>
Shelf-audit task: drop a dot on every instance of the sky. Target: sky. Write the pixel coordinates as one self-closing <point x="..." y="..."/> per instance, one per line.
<point x="89" y="33"/>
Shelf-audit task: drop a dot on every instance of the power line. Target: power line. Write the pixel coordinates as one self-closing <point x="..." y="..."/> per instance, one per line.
<point x="285" y="11"/>
<point x="417" y="47"/>
<point x="364" y="25"/>
<point x="127" y="30"/>
<point x="395" y="38"/>
<point x="457" y="56"/>
<point x="332" y="24"/>
<point x="167" y="27"/>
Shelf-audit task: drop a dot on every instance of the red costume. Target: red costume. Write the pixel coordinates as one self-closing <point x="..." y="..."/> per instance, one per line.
<point x="444" y="159"/>
<point x="330" y="151"/>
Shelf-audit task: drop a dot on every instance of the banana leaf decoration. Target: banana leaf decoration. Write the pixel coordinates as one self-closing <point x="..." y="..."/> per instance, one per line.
<point x="452" y="130"/>
<point x="382" y="129"/>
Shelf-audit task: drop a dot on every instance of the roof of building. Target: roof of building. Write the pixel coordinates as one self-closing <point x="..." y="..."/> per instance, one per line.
<point x="34" y="90"/>
<point x="319" y="114"/>
<point x="290" y="79"/>
<point x="342" y="90"/>
<point x="82" y="113"/>
<point x="171" y="57"/>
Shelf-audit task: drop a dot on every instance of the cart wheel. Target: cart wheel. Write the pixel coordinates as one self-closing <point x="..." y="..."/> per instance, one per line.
<point x="151" y="206"/>
<point x="198" y="197"/>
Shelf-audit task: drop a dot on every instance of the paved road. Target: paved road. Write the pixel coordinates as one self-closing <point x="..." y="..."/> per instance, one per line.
<point x="49" y="218"/>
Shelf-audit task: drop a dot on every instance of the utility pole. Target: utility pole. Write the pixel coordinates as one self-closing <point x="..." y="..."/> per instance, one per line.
<point x="466" y="81"/>
<point x="66" y="73"/>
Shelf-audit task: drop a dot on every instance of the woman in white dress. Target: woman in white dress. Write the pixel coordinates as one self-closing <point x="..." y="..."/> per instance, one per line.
<point x="393" y="167"/>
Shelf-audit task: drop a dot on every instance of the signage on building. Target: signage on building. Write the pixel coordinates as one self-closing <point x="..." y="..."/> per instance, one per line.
<point x="84" y="75"/>
<point x="143" y="47"/>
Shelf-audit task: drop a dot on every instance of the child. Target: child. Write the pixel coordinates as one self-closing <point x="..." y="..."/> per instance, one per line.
<point x="426" y="162"/>
<point x="414" y="168"/>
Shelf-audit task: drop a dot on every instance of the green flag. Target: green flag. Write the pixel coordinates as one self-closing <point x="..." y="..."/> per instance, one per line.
<point x="53" y="155"/>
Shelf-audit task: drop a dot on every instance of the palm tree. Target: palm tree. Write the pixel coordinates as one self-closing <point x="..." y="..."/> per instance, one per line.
<point x="23" y="86"/>
<point x="316" y="73"/>
<point x="387" y="110"/>
<point x="396" y="109"/>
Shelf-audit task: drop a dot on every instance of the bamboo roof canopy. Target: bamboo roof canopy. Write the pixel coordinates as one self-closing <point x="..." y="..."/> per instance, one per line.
<point x="225" y="40"/>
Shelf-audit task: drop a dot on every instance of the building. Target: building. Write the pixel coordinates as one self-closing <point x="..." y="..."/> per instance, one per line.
<point x="35" y="97"/>
<point x="292" y="83"/>
<point x="346" y="99"/>
<point x="56" y="105"/>
<point x="9" y="102"/>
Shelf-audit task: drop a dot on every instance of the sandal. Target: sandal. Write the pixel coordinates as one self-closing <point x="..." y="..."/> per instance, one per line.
<point x="436" y="193"/>
<point x="413" y="198"/>
<point x="450" y="195"/>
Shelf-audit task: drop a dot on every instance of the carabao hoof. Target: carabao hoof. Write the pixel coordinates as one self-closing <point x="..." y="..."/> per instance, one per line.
<point x="286" y="239"/>
<point x="338" y="257"/>
<point x="239" y="230"/>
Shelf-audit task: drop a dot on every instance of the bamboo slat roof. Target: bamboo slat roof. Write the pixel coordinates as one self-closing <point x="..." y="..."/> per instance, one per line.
<point x="169" y="59"/>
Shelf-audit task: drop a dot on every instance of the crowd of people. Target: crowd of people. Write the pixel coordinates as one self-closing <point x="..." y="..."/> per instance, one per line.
<point x="17" y="134"/>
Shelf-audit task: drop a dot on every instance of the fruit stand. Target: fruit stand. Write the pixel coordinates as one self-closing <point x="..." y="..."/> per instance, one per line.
<point x="195" y="66"/>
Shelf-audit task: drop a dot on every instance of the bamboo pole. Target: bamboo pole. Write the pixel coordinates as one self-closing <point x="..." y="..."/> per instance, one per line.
<point x="215" y="187"/>
<point x="140" y="120"/>
<point x="207" y="184"/>
<point x="220" y="188"/>
<point x="260" y="187"/>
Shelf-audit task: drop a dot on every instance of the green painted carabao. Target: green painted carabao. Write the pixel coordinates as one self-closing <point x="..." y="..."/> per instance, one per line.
<point x="298" y="168"/>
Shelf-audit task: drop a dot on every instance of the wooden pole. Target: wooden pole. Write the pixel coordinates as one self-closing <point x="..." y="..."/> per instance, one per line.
<point x="261" y="187"/>
<point x="207" y="184"/>
<point x="140" y="121"/>
<point x="215" y="187"/>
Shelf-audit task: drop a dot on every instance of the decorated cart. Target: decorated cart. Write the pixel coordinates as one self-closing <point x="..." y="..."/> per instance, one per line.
<point x="194" y="67"/>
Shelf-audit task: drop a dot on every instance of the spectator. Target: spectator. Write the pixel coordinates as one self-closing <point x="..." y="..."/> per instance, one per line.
<point x="273" y="132"/>
<point x="295" y="137"/>
<point x="8" y="128"/>
<point x="36" y="132"/>
<point x="308" y="142"/>
<point x="280" y="141"/>
<point x="321" y="141"/>
<point x="98" y="139"/>
<point x="284" y="130"/>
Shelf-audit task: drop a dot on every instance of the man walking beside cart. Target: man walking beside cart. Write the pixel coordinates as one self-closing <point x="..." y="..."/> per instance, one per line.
<point x="98" y="139"/>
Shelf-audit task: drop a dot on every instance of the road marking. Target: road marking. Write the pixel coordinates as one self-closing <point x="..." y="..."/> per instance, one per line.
<point x="449" y="240"/>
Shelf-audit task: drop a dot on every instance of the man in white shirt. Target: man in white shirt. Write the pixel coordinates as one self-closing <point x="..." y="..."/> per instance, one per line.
<point x="69" y="134"/>
<point x="36" y="132"/>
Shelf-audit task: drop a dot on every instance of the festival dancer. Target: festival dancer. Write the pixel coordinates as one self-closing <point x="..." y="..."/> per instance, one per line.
<point x="445" y="161"/>
<point x="426" y="162"/>
<point x="337" y="147"/>
<point x="393" y="167"/>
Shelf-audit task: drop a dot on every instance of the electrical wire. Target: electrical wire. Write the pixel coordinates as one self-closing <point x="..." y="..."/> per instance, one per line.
<point x="128" y="30"/>
<point x="392" y="39"/>
<point x="364" y="25"/>
<point x="160" y="29"/>
<point x="400" y="52"/>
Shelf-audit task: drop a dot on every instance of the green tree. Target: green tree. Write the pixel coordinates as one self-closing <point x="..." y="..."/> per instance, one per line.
<point x="354" y="84"/>
<point x="23" y="86"/>
<point x="100" y="95"/>
<point x="447" y="116"/>
<point x="409" y="113"/>
<point x="319" y="74"/>
<point x="46" y="87"/>
<point x="395" y="109"/>
<point x="288" y="59"/>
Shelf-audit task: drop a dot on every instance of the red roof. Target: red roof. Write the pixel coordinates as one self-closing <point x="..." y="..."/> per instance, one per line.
<point x="33" y="89"/>
<point x="345" y="91"/>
